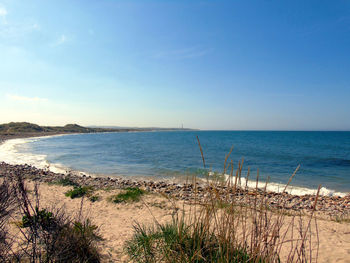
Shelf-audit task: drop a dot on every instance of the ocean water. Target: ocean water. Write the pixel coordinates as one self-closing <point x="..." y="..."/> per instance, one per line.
<point x="324" y="157"/>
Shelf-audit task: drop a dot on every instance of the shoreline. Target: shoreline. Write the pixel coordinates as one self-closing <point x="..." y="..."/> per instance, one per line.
<point x="4" y="138"/>
<point x="327" y="205"/>
<point x="116" y="221"/>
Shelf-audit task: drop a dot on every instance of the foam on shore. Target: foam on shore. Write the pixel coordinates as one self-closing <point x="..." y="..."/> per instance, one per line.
<point x="291" y="189"/>
<point x="10" y="153"/>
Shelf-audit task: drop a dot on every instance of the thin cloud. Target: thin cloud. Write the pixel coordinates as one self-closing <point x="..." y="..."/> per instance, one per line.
<point x="3" y="11"/>
<point x="3" y="14"/>
<point x="60" y="41"/>
<point x="26" y="99"/>
<point x="10" y="30"/>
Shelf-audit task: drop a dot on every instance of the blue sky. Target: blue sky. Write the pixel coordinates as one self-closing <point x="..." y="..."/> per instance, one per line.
<point x="207" y="64"/>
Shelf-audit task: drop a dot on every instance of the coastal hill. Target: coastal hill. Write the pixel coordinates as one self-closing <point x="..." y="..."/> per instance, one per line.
<point x="24" y="129"/>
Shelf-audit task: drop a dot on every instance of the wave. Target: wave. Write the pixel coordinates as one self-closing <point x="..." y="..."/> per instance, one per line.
<point x="291" y="189"/>
<point x="11" y="151"/>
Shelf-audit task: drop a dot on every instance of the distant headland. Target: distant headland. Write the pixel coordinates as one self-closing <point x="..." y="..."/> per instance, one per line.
<point x="26" y="129"/>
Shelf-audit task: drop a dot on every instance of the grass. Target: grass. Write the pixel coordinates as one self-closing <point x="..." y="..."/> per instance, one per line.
<point x="66" y="181"/>
<point x="131" y="194"/>
<point x="342" y="219"/>
<point x="178" y="241"/>
<point x="94" y="198"/>
<point x="44" y="234"/>
<point x="79" y="191"/>
<point x="223" y="229"/>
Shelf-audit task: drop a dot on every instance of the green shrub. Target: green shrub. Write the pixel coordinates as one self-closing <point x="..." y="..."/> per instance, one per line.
<point x="131" y="194"/>
<point x="41" y="218"/>
<point x="77" y="243"/>
<point x="7" y="208"/>
<point x="66" y="181"/>
<point x="223" y="228"/>
<point x="51" y="235"/>
<point x="181" y="242"/>
<point x="94" y="198"/>
<point x="79" y="191"/>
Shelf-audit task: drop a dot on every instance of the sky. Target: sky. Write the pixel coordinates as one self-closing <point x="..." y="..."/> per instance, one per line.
<point x="226" y="65"/>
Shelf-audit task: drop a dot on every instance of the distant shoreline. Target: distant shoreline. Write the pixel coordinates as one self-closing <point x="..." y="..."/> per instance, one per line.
<point x="142" y="174"/>
<point x="4" y="138"/>
<point x="329" y="205"/>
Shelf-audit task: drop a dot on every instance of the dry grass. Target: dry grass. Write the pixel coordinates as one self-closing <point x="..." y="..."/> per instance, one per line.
<point x="221" y="229"/>
<point x="44" y="235"/>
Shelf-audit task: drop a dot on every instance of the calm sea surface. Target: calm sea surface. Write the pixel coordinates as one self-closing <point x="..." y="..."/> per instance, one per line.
<point x="324" y="156"/>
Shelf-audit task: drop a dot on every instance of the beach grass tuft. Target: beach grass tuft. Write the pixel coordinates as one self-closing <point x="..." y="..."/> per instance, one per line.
<point x="178" y="241"/>
<point x="220" y="228"/>
<point x="66" y="181"/>
<point x="130" y="194"/>
<point x="94" y="198"/>
<point x="44" y="234"/>
<point x="79" y="191"/>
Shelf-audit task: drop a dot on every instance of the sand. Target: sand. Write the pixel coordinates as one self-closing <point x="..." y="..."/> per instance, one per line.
<point x="116" y="221"/>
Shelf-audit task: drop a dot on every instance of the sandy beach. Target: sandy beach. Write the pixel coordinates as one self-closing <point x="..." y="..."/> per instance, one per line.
<point x="174" y="131"/>
<point x="116" y="221"/>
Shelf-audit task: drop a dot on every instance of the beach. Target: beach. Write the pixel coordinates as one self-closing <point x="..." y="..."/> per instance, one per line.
<point x="116" y="221"/>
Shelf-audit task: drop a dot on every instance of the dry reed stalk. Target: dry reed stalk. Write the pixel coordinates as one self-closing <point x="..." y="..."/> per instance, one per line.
<point x="249" y="229"/>
<point x="200" y="148"/>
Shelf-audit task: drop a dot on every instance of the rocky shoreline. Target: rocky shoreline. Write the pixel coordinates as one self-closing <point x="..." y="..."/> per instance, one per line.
<point x="334" y="206"/>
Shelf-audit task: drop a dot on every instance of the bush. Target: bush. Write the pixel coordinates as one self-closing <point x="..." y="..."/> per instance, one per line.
<point x="94" y="198"/>
<point x="79" y="191"/>
<point x="180" y="242"/>
<point x="131" y="194"/>
<point x="66" y="181"/>
<point x="41" y="218"/>
<point x="7" y="205"/>
<point x="50" y="235"/>
<point x="76" y="243"/>
<point x="223" y="228"/>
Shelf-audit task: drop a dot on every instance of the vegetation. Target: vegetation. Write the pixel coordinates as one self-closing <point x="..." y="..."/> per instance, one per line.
<point x="179" y="242"/>
<point x="342" y="219"/>
<point x="66" y="181"/>
<point x="23" y="128"/>
<point x="217" y="229"/>
<point x="131" y="194"/>
<point x="222" y="229"/>
<point x="45" y="235"/>
<point x="94" y="198"/>
<point x="79" y="191"/>
<point x="7" y="207"/>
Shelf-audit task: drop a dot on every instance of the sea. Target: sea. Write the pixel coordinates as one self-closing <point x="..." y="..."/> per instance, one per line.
<point x="324" y="157"/>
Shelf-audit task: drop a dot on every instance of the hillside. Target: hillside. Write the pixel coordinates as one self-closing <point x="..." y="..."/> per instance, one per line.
<point x="16" y="128"/>
<point x="29" y="129"/>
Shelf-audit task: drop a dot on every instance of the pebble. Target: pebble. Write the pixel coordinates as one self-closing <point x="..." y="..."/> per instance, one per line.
<point x="329" y="205"/>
